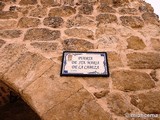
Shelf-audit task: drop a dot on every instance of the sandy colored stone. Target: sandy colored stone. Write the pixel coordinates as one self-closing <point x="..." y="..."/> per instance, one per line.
<point x="79" y="2"/>
<point x="86" y="9"/>
<point x="146" y="8"/>
<point x="45" y="46"/>
<point x="79" y="20"/>
<point x="136" y="43"/>
<point x="26" y="70"/>
<point x="79" y="106"/>
<point x="50" y="90"/>
<point x="104" y="30"/>
<point x="28" y="2"/>
<point x="77" y="44"/>
<point x="54" y="22"/>
<point x="104" y="8"/>
<point x="26" y="22"/>
<point x="10" y="34"/>
<point x="1" y="5"/>
<point x="80" y="33"/>
<point x="38" y="12"/>
<point x="64" y="11"/>
<point x="9" y="55"/>
<point x="155" y="44"/>
<point x="150" y="18"/>
<point x="106" y="18"/>
<point x="144" y="60"/>
<point x="8" y="24"/>
<point x="2" y="42"/>
<point x="132" y="21"/>
<point x="114" y="60"/>
<point x="147" y="102"/>
<point x="118" y="104"/>
<point x="49" y="3"/>
<point x="126" y="80"/>
<point x="42" y="34"/>
<point x="131" y="11"/>
<point x="8" y="15"/>
<point x="107" y="42"/>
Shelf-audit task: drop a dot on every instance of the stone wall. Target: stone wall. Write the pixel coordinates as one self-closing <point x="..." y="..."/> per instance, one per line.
<point x="34" y="33"/>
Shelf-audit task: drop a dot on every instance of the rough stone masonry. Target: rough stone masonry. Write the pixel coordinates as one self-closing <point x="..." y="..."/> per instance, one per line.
<point x="34" y="33"/>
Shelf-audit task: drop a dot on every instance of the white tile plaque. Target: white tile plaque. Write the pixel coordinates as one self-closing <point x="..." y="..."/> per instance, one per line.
<point x="84" y="64"/>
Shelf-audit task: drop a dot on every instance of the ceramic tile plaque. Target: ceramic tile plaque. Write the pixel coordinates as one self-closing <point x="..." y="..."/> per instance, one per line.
<point x="84" y="64"/>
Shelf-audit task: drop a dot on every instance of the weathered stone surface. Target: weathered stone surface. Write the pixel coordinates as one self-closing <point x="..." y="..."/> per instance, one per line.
<point x="135" y="43"/>
<point x="49" y="3"/>
<point x="38" y="12"/>
<point x="132" y="21"/>
<point x="45" y="46"/>
<point x="131" y="11"/>
<point x="26" y="22"/>
<point x="80" y="33"/>
<point x="147" y="102"/>
<point x="8" y="15"/>
<point x="126" y="80"/>
<point x="119" y="104"/>
<point x="86" y="2"/>
<point x="144" y="60"/>
<point x="8" y="24"/>
<point x="10" y="33"/>
<point x="86" y="9"/>
<point x="101" y="94"/>
<point x="114" y="60"/>
<point x="9" y="55"/>
<point x="53" y="22"/>
<point x="62" y="12"/>
<point x="50" y="89"/>
<point x="146" y="8"/>
<point x="104" y="8"/>
<point x="42" y="34"/>
<point x="2" y="42"/>
<point x="106" y="18"/>
<point x="150" y="18"/>
<point x="1" y="5"/>
<point x="28" y="2"/>
<point x="153" y="75"/>
<point x="79" y="20"/>
<point x="26" y="70"/>
<point x="104" y="30"/>
<point x="107" y="42"/>
<point x="77" y="44"/>
<point x="155" y="43"/>
<point x="81" y="106"/>
<point x="115" y="2"/>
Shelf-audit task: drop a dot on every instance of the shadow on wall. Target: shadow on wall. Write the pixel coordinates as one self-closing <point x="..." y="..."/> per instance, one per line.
<point x="12" y="107"/>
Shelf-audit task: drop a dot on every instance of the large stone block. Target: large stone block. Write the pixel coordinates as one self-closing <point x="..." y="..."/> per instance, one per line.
<point x="64" y="11"/>
<point x="50" y="89"/>
<point x="26" y="22"/>
<point x="80" y="33"/>
<point x="135" y="43"/>
<point x="8" y="15"/>
<point x="132" y="21"/>
<point x="155" y="43"/>
<point x="147" y="102"/>
<point x="26" y="70"/>
<point x="10" y="33"/>
<point x="80" y="106"/>
<point x="42" y="34"/>
<point x="126" y="80"/>
<point x="54" y="22"/>
<point x="45" y="46"/>
<point x="105" y="8"/>
<point x="8" y="24"/>
<point x="1" y="5"/>
<point x="9" y="55"/>
<point x="144" y="60"/>
<point x="150" y="18"/>
<point x="28" y="2"/>
<point x="86" y="9"/>
<point x="77" y="44"/>
<point x="38" y="12"/>
<point x="106" y="18"/>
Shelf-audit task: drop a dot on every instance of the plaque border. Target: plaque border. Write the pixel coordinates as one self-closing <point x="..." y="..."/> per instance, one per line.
<point x="84" y="75"/>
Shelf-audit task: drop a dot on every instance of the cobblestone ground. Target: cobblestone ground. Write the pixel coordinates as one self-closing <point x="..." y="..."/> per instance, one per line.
<point x="34" y="33"/>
